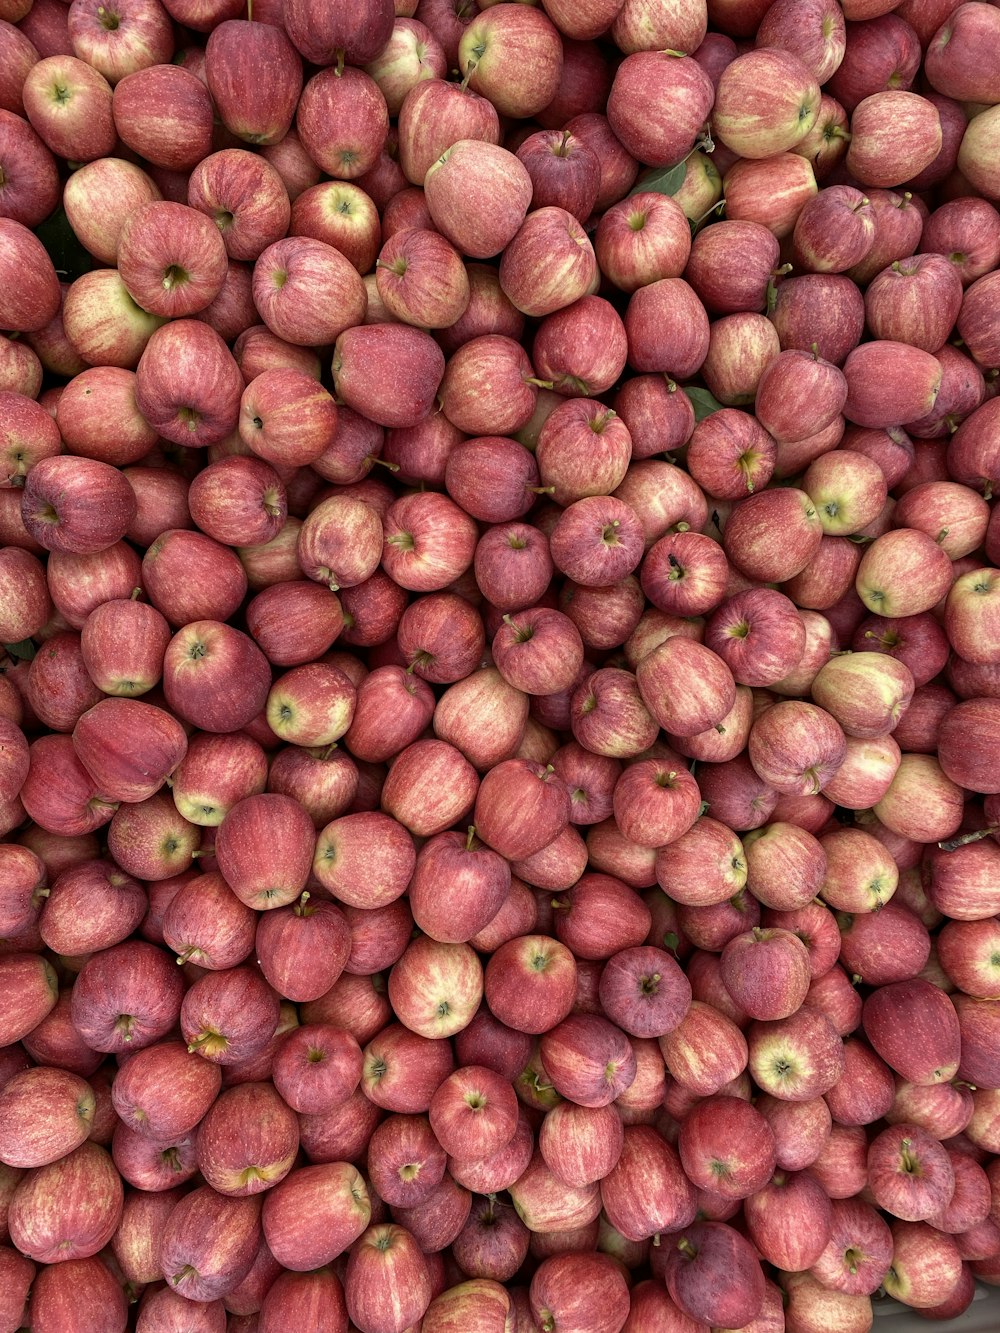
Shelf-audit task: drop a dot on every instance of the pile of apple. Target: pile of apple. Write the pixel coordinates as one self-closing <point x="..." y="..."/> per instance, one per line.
<point x="500" y="696"/>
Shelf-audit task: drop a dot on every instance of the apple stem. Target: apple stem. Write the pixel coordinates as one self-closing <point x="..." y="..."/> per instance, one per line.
<point x="963" y="841"/>
<point x="382" y="462"/>
<point x="686" y="1248"/>
<point x="340" y="64"/>
<point x="470" y="840"/>
<point x="716" y="208"/>
<point x="539" y="384"/>
<point x="135" y="594"/>
<point x="470" y="69"/>
<point x="300" y="908"/>
<point x="249" y="11"/>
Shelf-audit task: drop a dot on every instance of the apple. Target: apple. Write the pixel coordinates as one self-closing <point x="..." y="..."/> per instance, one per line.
<point x="766" y="972"/>
<point x="229" y="1016"/>
<point x="76" y="505"/>
<point x="342" y="120"/>
<point x="909" y="1173"/>
<point x="255" y="77"/>
<point x="788" y="733"/>
<point x="513" y="57"/>
<point x="549" y="263"/>
<point x="69" y="104"/>
<point x="129" y="748"/>
<point x="402" y="1069"/>
<point x="969" y="615"/>
<point x="307" y="292"/>
<point x="641" y="239"/>
<point x="458" y="886"/>
<point x="705" y="1051"/>
<point x="478" y="196"/>
<point x="681" y="94"/>
<point x="188" y="385"/>
<point x="542" y="965"/>
<point x="493" y="1243"/>
<point x="158" y="1110"/>
<point x="47" y="1113"/>
<point x="797" y="1058"/>
<point x="894" y="136"/>
<point x="247" y="1141"/>
<point x="207" y="669"/>
<point x="567" y="1287"/>
<point x="387" y="1283"/>
<point x="894" y="1013"/>
<point x="90" y="1195"/>
<point x="766" y="101"/>
<point x="492" y="478"/>
<point x="473" y="1113"/>
<point x="712" y="1273"/>
<point x="126" y="997"/>
<point x="209" y="1243"/>
<point x="360" y="357"/>
<point x="789" y="1220"/>
<point x="800" y="1129"/>
<point x="811" y="1304"/>
<point x="58" y="793"/>
<point x="189" y="577"/>
<point x="89" y="907"/>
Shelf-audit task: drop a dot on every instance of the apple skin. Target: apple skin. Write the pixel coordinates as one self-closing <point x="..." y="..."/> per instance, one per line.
<point x="459" y="870"/>
<point x="520" y="808"/>
<point x="69" y="104"/>
<point x="89" y="907"/>
<point x="859" y="1254"/>
<point x="867" y="693"/>
<point x="580" y="1144"/>
<point x="229" y="1016"/>
<point x="549" y="264"/>
<point x="914" y="374"/>
<point x="126" y="997"/>
<point x="903" y="573"/>
<point x="822" y="308"/>
<point x="766" y="101"/>
<point x="77" y="506"/>
<point x="307" y="292"/>
<point x="255" y="77"/>
<point x="434" y="116"/>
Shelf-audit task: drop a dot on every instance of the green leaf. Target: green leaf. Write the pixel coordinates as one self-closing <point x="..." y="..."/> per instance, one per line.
<point x="68" y="256"/>
<point x="23" y="651"/>
<point x="702" y="402"/>
<point x="670" y="941"/>
<point x="667" y="181"/>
